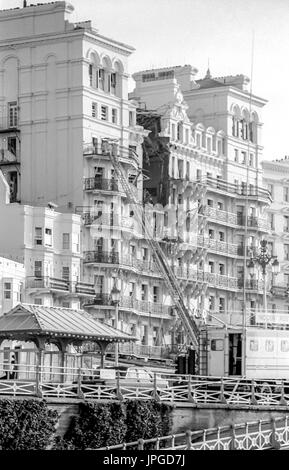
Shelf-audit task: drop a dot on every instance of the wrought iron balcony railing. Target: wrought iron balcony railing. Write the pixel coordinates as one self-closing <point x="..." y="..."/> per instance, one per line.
<point x="235" y="219"/>
<point x="108" y="219"/>
<point x="101" y="257"/>
<point x="213" y="279"/>
<point x="280" y="290"/>
<point x="251" y="284"/>
<point x="251" y="191"/>
<point x="130" y="303"/>
<point x="105" y="148"/>
<point x="103" y="184"/>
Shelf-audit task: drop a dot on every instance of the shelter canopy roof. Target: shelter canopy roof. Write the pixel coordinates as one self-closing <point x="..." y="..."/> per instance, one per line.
<point x="30" y="320"/>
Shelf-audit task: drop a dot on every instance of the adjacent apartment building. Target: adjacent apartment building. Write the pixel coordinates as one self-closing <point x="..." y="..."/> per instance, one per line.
<point x="205" y="149"/>
<point x="64" y="108"/>
<point x="276" y="176"/>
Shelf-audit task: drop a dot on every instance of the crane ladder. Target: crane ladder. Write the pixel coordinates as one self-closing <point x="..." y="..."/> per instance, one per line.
<point x="170" y="279"/>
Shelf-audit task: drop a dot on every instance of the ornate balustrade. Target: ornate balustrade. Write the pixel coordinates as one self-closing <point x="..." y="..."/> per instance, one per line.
<point x="130" y="303"/>
<point x="47" y="282"/>
<point x="232" y="218"/>
<point x="251" y="191"/>
<point x="103" y="184"/>
<point x="87" y="383"/>
<point x="253" y="435"/>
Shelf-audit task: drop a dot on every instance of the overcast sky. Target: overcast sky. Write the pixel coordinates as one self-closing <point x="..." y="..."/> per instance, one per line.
<point x="177" y="32"/>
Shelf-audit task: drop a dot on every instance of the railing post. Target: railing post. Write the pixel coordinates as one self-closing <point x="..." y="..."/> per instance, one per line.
<point x="140" y="445"/>
<point x="173" y="441"/>
<point x="274" y="438"/>
<point x="155" y="394"/>
<point x="118" y="392"/>
<point x="222" y="395"/>
<point x="282" y="401"/>
<point x="190" y="396"/>
<point x="79" y="391"/>
<point x="38" y="381"/>
<point x="233" y="440"/>
<point x="253" y="398"/>
<point x="189" y="440"/>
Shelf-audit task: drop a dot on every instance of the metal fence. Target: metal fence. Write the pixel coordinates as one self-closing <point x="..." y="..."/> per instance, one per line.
<point x="73" y="381"/>
<point x="253" y="435"/>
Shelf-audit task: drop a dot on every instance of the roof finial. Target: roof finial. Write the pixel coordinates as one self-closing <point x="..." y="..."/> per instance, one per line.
<point x="208" y="74"/>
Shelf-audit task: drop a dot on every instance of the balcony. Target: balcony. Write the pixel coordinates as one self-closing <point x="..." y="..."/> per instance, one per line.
<point x="221" y="186"/>
<point x="213" y="279"/>
<point x="90" y="150"/>
<point x="46" y="282"/>
<point x="282" y="290"/>
<point x="278" y="319"/>
<point x="130" y="303"/>
<point x="221" y="247"/>
<point x="104" y="149"/>
<point x="100" y="219"/>
<point x="221" y="281"/>
<point x="231" y="218"/>
<point x="108" y="220"/>
<point x="251" y="251"/>
<point x="251" y="284"/>
<point x="84" y="288"/>
<point x="100" y="184"/>
<point x="101" y="257"/>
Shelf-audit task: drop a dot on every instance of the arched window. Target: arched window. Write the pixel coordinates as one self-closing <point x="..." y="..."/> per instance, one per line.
<point x="180" y="131"/>
<point x="254" y="119"/>
<point x="93" y="68"/>
<point x="116" y="81"/>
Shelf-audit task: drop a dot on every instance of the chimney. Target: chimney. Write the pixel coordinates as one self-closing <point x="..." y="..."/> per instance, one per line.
<point x="24" y="3"/>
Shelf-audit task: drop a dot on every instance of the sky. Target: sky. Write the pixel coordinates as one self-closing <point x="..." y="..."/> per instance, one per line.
<point x="178" y="32"/>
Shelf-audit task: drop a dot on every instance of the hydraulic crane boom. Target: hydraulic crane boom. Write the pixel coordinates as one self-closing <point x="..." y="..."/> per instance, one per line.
<point x="169" y="277"/>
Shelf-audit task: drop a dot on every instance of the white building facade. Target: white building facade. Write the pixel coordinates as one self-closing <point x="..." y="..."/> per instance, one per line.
<point x="276" y="176"/>
<point x="12" y="279"/>
<point x="212" y="129"/>
<point x="65" y="107"/>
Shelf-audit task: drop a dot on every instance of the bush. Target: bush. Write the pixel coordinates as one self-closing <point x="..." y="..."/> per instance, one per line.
<point x="26" y="424"/>
<point x="98" y="425"/>
<point x="106" y="424"/>
<point x="147" y="419"/>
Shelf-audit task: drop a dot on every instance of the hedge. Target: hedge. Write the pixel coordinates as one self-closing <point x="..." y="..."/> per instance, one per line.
<point x="30" y="424"/>
<point x="26" y="424"/>
<point x="105" y="424"/>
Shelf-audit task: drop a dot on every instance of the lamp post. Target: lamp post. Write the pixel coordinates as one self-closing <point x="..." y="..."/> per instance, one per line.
<point x="115" y="295"/>
<point x="263" y="258"/>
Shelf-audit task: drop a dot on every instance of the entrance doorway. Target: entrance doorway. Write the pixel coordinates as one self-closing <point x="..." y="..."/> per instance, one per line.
<point x="235" y="354"/>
